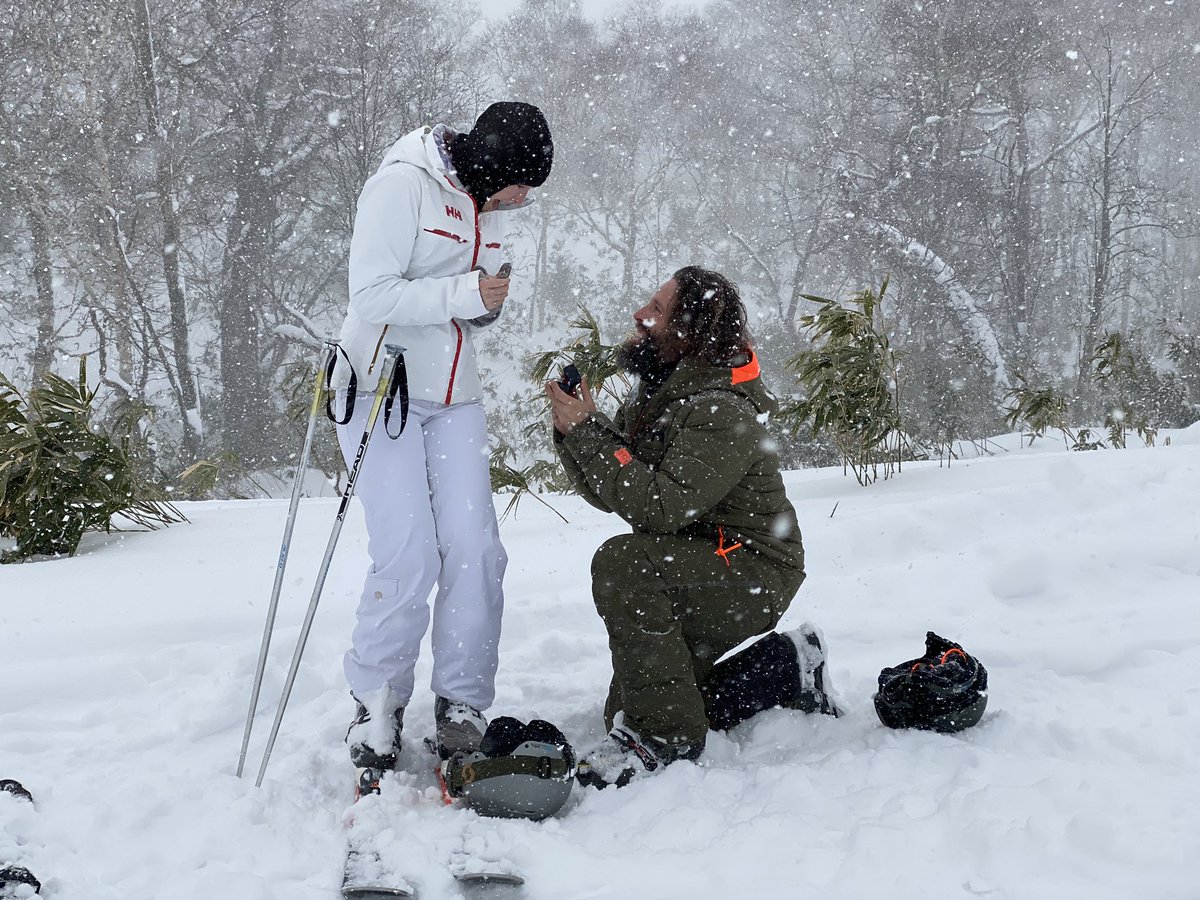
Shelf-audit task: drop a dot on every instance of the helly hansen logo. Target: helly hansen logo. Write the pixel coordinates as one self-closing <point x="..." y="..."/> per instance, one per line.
<point x="453" y="213"/>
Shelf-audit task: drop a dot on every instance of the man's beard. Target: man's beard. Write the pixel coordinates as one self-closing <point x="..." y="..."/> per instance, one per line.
<point x="643" y="355"/>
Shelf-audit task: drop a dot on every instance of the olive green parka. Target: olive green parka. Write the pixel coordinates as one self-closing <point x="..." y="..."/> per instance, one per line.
<point x="692" y="458"/>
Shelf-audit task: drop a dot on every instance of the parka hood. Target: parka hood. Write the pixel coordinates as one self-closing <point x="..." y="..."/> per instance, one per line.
<point x="420" y="148"/>
<point x="693" y="375"/>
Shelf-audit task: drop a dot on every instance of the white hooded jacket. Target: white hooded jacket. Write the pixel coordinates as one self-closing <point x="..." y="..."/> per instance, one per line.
<point x="418" y="243"/>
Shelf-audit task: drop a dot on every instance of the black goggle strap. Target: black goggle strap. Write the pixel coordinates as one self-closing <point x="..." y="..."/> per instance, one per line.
<point x="544" y="767"/>
<point x="351" y="388"/>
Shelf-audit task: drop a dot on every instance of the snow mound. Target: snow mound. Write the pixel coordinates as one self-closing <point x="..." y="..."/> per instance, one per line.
<point x="1073" y="577"/>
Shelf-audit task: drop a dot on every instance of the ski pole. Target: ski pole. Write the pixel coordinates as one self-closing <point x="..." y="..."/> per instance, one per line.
<point x="285" y="546"/>
<point x="390" y="379"/>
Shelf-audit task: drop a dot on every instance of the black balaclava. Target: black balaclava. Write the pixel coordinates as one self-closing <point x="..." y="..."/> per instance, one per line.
<point x="510" y="144"/>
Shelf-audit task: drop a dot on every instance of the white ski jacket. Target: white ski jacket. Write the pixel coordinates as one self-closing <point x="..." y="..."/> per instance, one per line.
<point x="418" y="242"/>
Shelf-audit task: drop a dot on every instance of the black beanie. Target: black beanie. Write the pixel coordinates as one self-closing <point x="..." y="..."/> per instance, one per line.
<point x="510" y="144"/>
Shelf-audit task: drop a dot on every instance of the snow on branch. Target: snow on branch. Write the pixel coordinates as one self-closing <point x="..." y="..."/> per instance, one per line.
<point x="308" y="324"/>
<point x="942" y="273"/>
<point x="297" y="335"/>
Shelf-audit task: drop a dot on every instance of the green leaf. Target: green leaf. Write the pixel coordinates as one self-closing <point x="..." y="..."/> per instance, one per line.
<point x="849" y="379"/>
<point x="60" y="477"/>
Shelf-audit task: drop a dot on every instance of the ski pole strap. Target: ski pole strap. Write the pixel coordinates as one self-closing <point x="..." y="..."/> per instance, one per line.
<point x="351" y="389"/>
<point x="398" y="387"/>
<point x="461" y="775"/>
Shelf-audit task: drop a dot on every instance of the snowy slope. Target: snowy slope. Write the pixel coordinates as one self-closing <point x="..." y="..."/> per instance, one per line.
<point x="1074" y="577"/>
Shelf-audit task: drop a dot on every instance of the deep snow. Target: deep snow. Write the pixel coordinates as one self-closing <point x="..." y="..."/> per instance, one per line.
<point x="1073" y="576"/>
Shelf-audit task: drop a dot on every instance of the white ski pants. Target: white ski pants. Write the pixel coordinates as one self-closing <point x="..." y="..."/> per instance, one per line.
<point x="427" y="498"/>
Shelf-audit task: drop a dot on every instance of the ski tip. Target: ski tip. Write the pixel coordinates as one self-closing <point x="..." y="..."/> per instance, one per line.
<point x="489" y="878"/>
<point x="374" y="892"/>
<point x="15" y="876"/>
<point x="363" y="879"/>
<point x="18" y="790"/>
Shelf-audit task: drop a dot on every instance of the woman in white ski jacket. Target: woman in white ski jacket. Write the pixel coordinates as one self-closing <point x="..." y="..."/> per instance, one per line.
<point x="427" y="233"/>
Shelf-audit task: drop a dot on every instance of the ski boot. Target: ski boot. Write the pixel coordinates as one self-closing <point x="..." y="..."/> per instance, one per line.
<point x="370" y="764"/>
<point x="816" y="693"/>
<point x="624" y="755"/>
<point x="460" y="727"/>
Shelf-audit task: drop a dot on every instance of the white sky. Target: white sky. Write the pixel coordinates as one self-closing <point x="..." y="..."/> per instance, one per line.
<point x="494" y="9"/>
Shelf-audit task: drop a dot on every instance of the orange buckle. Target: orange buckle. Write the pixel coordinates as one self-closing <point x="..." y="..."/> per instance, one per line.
<point x="921" y="664"/>
<point x="723" y="551"/>
<point x="949" y="653"/>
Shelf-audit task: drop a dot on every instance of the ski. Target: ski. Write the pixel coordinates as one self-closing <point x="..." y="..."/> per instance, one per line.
<point x="478" y="879"/>
<point x="480" y="873"/>
<point x="491" y="885"/>
<point x="12" y="877"/>
<point x="16" y="881"/>
<point x="365" y="879"/>
<point x="9" y="786"/>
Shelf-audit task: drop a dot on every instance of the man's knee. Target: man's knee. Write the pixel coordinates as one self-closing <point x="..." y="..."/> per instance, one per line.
<point x="621" y="559"/>
<point x="621" y="571"/>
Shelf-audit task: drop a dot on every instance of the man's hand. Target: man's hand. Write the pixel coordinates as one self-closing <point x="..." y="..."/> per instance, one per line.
<point x="568" y="411"/>
<point x="493" y="290"/>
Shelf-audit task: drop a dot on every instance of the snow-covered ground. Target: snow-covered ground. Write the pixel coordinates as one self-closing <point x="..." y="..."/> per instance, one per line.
<point x="1075" y="577"/>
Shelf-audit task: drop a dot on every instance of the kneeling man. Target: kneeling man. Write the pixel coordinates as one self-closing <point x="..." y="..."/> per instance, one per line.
<point x="715" y="555"/>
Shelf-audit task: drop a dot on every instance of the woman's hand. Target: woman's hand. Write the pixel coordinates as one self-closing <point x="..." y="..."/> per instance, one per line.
<point x="493" y="290"/>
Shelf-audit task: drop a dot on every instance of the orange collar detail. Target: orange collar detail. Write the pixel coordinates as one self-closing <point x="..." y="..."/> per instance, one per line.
<point x="749" y="371"/>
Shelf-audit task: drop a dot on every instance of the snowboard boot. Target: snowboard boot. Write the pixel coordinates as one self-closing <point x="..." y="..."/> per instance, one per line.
<point x="460" y="727"/>
<point x="816" y="694"/>
<point x="624" y="755"/>
<point x="372" y="753"/>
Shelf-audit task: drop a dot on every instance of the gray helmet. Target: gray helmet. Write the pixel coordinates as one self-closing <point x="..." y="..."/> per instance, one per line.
<point x="520" y="771"/>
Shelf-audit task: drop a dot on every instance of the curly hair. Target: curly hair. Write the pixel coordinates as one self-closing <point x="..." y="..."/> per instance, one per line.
<point x="709" y="319"/>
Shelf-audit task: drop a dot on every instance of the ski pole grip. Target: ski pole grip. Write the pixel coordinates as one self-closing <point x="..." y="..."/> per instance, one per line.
<point x="329" y="347"/>
<point x="351" y="389"/>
